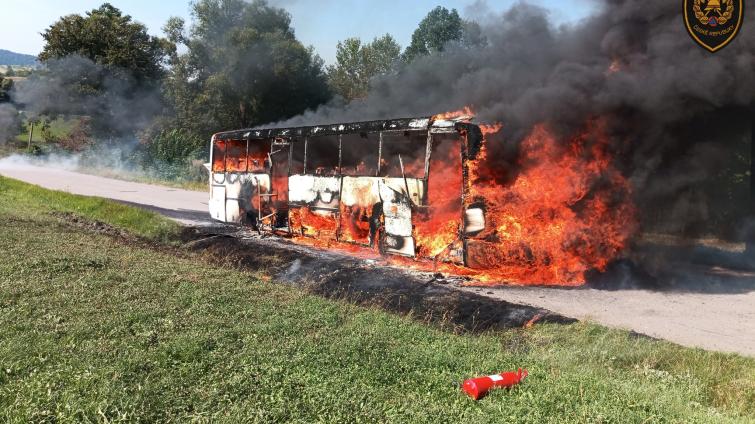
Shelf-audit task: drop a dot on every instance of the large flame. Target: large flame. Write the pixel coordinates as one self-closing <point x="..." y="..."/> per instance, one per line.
<point x="466" y="112"/>
<point x="568" y="211"/>
<point x="439" y="225"/>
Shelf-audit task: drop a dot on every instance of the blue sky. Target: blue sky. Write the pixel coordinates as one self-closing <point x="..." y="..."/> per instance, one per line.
<point x="321" y="23"/>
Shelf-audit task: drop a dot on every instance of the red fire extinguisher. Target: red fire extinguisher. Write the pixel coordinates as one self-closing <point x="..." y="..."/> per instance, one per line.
<point x="478" y="387"/>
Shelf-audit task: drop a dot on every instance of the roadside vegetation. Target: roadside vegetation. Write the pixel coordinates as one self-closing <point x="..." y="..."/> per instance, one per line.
<point x="96" y="328"/>
<point x="17" y="71"/>
<point x="66" y="142"/>
<point x="31" y="202"/>
<point x="47" y="130"/>
<point x="106" y="84"/>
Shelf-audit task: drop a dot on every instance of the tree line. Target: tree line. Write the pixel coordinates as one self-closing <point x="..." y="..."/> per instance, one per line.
<point x="238" y="64"/>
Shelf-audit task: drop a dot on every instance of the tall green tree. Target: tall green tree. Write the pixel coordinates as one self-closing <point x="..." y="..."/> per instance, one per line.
<point x="241" y="66"/>
<point x="103" y="65"/>
<point x="440" y="27"/>
<point x="109" y="38"/>
<point x="357" y="64"/>
<point x="6" y="85"/>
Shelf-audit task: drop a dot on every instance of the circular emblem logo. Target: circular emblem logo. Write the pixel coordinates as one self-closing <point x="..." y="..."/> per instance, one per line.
<point x="713" y="23"/>
<point x="713" y="12"/>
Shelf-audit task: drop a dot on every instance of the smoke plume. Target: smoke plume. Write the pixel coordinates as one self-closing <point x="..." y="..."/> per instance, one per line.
<point x="677" y="115"/>
<point x="108" y="108"/>
<point x="118" y="105"/>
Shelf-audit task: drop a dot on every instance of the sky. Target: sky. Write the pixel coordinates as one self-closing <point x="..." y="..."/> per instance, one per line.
<point x="320" y="23"/>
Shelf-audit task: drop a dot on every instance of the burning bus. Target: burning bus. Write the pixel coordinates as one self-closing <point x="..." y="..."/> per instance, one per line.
<point x="378" y="184"/>
<point x="428" y="188"/>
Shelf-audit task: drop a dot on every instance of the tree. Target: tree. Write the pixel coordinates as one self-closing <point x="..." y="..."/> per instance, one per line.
<point x="6" y="85"/>
<point x="103" y="65"/>
<point x="10" y="72"/>
<point x="472" y="36"/>
<point x="242" y="67"/>
<point x="357" y="64"/>
<point x="108" y="38"/>
<point x="439" y="28"/>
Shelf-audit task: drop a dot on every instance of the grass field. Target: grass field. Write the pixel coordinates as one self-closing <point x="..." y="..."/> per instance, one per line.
<point x="16" y="68"/>
<point x="59" y="127"/>
<point x="98" y="329"/>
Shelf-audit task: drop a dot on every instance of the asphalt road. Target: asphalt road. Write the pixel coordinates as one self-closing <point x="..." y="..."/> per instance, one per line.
<point x="722" y="319"/>
<point x="715" y="321"/>
<point x="185" y="206"/>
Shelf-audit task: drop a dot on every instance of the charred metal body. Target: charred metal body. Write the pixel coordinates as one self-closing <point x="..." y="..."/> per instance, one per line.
<point x="378" y="184"/>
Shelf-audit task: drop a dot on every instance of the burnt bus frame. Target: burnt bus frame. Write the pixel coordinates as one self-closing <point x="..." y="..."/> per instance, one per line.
<point x="471" y="143"/>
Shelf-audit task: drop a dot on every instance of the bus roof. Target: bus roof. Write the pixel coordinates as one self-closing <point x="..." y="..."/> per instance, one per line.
<point x="402" y="124"/>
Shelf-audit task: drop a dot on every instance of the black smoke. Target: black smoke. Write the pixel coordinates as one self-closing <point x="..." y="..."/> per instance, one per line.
<point x="678" y="116"/>
<point x="119" y="105"/>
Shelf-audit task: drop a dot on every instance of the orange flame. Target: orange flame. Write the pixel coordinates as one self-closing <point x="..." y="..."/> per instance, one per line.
<point x="568" y="211"/>
<point x="615" y="66"/>
<point x="465" y="112"/>
<point x="488" y="129"/>
<point x="438" y="227"/>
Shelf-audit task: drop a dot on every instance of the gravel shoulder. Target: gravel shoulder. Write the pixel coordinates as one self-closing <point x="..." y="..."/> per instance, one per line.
<point x="713" y="321"/>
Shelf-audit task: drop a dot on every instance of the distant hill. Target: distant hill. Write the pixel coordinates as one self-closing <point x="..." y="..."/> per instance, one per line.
<point x="17" y="59"/>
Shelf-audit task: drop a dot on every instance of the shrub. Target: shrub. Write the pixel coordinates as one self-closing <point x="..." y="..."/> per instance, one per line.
<point x="174" y="146"/>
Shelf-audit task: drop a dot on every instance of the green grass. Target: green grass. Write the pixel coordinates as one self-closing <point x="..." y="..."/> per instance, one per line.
<point x="59" y="127"/>
<point x="97" y="330"/>
<point x="18" y="198"/>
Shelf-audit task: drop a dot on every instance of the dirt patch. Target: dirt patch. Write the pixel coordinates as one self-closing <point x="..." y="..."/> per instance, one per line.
<point x="428" y="297"/>
<point x="72" y="220"/>
<point x="425" y="296"/>
<point x="97" y="227"/>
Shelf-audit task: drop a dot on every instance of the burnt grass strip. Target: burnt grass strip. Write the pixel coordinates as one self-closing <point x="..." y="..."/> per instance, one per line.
<point x="332" y="275"/>
<point x="423" y="296"/>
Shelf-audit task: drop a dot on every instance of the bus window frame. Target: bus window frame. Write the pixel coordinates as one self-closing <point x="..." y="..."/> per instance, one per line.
<point x="225" y="156"/>
<point x="267" y="161"/>
<point x="293" y="142"/>
<point x="214" y="143"/>
<point x="307" y="139"/>
<point x="381" y="150"/>
<point x="428" y="151"/>
<point x="366" y="135"/>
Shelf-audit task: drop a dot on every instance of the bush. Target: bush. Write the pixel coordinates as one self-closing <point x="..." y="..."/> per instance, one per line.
<point x="175" y="146"/>
<point x="174" y="154"/>
<point x="78" y="139"/>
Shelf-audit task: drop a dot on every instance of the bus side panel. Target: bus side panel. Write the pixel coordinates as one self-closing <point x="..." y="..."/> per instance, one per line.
<point x="243" y="193"/>
<point x="217" y="201"/>
<point x="359" y="198"/>
<point x="235" y="197"/>
<point x="397" y="213"/>
<point x="314" y="202"/>
<point x="364" y="199"/>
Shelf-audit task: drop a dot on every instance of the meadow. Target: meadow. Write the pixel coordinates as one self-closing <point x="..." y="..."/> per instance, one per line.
<point x="123" y="325"/>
